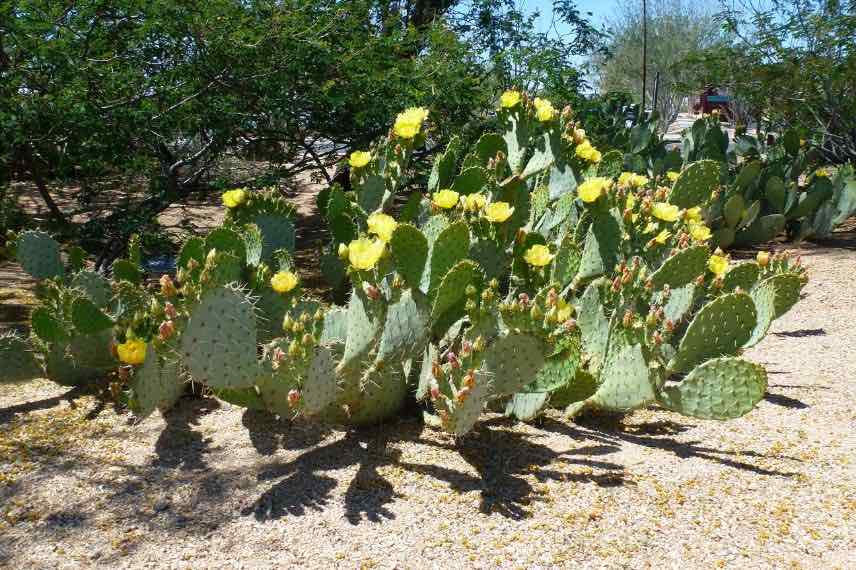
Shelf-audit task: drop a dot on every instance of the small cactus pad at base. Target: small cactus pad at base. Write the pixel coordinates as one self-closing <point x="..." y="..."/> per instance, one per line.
<point x="156" y="385"/>
<point x="719" y="389"/>
<point x="38" y="254"/>
<point x="17" y="361"/>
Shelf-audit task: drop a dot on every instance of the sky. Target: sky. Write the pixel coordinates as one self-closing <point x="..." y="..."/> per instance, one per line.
<point x="598" y="8"/>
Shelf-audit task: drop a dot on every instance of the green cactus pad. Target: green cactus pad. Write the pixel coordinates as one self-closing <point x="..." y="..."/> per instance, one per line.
<point x="748" y="174"/>
<point x="526" y="407"/>
<point x="719" y="389"/>
<point x="578" y="388"/>
<point x="593" y="324"/>
<point x="764" y="298"/>
<point x="405" y="331"/>
<point x="452" y="245"/>
<point x="372" y="193"/>
<point x="557" y="372"/>
<point x="695" y="184"/>
<point x="776" y="194"/>
<point x="365" y="324"/>
<point x="243" y="398"/>
<point x="513" y="361"/>
<point x="762" y="230"/>
<point x="94" y="286"/>
<point x="611" y="164"/>
<point x="87" y="318"/>
<point x="470" y="181"/>
<point x="225" y="268"/>
<point x="193" y="248"/>
<point x="320" y="388"/>
<point x="582" y="228"/>
<point x="720" y="328"/>
<point x="450" y="298"/>
<point x="39" y="255"/>
<point x="434" y="227"/>
<point x="377" y="396"/>
<point x="335" y="326"/>
<point x="542" y="157"/>
<point x="443" y="171"/>
<point x="625" y="382"/>
<point x="17" y="361"/>
<point x="733" y="210"/>
<point x="429" y="355"/>
<point x="47" y="326"/>
<point x="744" y="275"/>
<point x="488" y="146"/>
<point x="274" y="388"/>
<point x="679" y="303"/>
<point x="253" y="242"/>
<point x="820" y="191"/>
<point x="723" y="237"/>
<point x="409" y="248"/>
<point x="788" y="287"/>
<point x="462" y="416"/>
<point x="750" y="214"/>
<point x="516" y="138"/>
<point x="490" y="257"/>
<point x="682" y="267"/>
<point x="81" y="360"/>
<point x="156" y="385"/>
<point x="602" y="246"/>
<point x="126" y="270"/>
<point x="271" y="308"/>
<point x="277" y="233"/>
<point x="219" y="343"/>
<point x="567" y="261"/>
<point x="226" y="240"/>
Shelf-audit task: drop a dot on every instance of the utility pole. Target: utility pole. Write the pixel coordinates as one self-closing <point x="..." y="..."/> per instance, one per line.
<point x="644" y="52"/>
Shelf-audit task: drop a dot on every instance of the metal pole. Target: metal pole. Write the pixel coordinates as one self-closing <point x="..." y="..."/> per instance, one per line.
<point x="644" y="51"/>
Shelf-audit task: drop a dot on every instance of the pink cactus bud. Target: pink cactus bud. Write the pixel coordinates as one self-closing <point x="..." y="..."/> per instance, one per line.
<point x="670" y="325"/>
<point x="470" y="378"/>
<point x="452" y="359"/>
<point x="435" y="392"/>
<point x="166" y="330"/>
<point x="570" y="325"/>
<point x="293" y="398"/>
<point x="616" y="284"/>
<point x="124" y="372"/>
<point x="278" y="354"/>
<point x="167" y="286"/>
<point x="552" y="297"/>
<point x="628" y="319"/>
<point x="463" y="393"/>
<point x="524" y="299"/>
<point x="169" y="310"/>
<point x="371" y="291"/>
<point x="466" y="348"/>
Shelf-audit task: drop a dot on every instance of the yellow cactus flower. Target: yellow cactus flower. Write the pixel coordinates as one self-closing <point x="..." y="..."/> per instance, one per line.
<point x="364" y="253"/>
<point x="510" y="99"/>
<point x="700" y="232"/>
<point x="694" y="214"/>
<point x="409" y="123"/>
<point x="823" y="172"/>
<point x="587" y="152"/>
<point x="718" y="265"/>
<point x="566" y="310"/>
<point x="474" y="202"/>
<point x="445" y="199"/>
<point x="631" y="201"/>
<point x="672" y="176"/>
<point x="234" y="198"/>
<point x="593" y="188"/>
<point x="498" y="212"/>
<point x="763" y="258"/>
<point x="632" y="180"/>
<point x="544" y="110"/>
<point x="666" y="212"/>
<point x="132" y="351"/>
<point x="663" y="236"/>
<point x="382" y="225"/>
<point x="359" y="158"/>
<point x="283" y="281"/>
<point x="538" y="255"/>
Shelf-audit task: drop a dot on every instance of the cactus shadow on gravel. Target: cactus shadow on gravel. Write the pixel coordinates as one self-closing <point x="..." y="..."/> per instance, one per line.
<point x="611" y="430"/>
<point x="179" y="446"/>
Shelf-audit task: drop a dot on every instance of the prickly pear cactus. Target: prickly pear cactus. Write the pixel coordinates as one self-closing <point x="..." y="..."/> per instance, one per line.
<point x="39" y="255"/>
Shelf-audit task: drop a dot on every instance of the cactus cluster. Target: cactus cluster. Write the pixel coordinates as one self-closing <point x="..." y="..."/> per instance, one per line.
<point x="528" y="275"/>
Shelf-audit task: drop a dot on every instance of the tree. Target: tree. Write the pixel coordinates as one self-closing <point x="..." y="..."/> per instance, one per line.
<point x="794" y="63"/>
<point x="676" y="28"/>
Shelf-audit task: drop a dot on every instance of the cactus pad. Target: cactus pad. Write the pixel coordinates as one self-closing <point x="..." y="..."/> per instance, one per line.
<point x="513" y="361"/>
<point x="788" y="287"/>
<point x="567" y="260"/>
<point x="335" y="326"/>
<point x="578" y="388"/>
<point x="719" y="389"/>
<point x="277" y="233"/>
<point x="764" y="298"/>
<point x="682" y="267"/>
<point x="602" y="245"/>
<point x="17" y="361"/>
<point x="452" y="245"/>
<point x="365" y="324"/>
<point x="720" y="328"/>
<point x="462" y="416"/>
<point x="526" y="407"/>
<point x="679" y="303"/>
<point x="762" y="230"/>
<point x="450" y="298"/>
<point x="695" y="184"/>
<point x="406" y="329"/>
<point x="39" y="255"/>
<point x="226" y="240"/>
<point x="744" y="275"/>
<point x="319" y="389"/>
<point x="87" y="318"/>
<point x="156" y="385"/>
<point x="470" y="181"/>
<point x="94" y="286"/>
<point x="46" y="326"/>
<point x="219" y="343"/>
<point x="409" y="247"/>
<point x="625" y="382"/>
<point x="593" y="324"/>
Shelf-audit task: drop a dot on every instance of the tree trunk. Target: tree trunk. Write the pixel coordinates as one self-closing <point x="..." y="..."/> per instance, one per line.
<point x="41" y="185"/>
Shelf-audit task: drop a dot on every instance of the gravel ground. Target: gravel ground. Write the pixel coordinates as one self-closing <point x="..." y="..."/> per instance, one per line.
<point x="211" y="485"/>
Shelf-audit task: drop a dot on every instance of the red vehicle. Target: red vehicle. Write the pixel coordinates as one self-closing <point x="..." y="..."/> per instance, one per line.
<point x="710" y="99"/>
